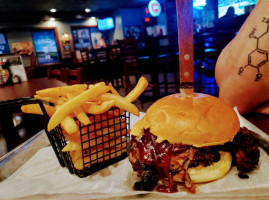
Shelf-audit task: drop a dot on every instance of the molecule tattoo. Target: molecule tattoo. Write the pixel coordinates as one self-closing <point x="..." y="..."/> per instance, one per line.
<point x="263" y="54"/>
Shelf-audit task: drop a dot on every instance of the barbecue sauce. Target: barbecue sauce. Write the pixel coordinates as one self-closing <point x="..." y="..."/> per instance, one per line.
<point x="156" y="156"/>
<point x="152" y="160"/>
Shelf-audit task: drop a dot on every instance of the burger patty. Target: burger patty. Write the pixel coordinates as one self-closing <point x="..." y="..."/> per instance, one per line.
<point x="154" y="161"/>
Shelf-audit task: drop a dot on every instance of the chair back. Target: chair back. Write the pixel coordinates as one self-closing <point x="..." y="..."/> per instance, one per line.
<point x="56" y="73"/>
<point x="129" y="57"/>
<point x="115" y="52"/>
<point x="84" y="55"/>
<point x="73" y="76"/>
<point x="128" y="50"/>
<point x="102" y="55"/>
<point x="74" y="58"/>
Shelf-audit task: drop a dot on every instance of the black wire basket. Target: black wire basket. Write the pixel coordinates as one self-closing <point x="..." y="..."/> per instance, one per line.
<point x="103" y="142"/>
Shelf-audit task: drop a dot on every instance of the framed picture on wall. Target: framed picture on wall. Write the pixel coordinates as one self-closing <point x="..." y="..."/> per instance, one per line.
<point x="81" y="38"/>
<point x="66" y="46"/>
<point x="46" y="46"/>
<point x="22" y="48"/>
<point x="4" y="48"/>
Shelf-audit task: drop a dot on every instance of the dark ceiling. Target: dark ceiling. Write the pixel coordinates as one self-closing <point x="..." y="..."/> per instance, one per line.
<point x="35" y="10"/>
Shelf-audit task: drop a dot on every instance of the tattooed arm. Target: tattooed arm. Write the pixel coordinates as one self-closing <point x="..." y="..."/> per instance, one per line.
<point x="242" y="69"/>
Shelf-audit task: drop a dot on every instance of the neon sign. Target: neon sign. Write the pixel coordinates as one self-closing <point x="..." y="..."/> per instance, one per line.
<point x="154" y="8"/>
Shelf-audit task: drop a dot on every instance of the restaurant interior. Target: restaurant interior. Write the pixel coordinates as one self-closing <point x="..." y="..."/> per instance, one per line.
<point x="88" y="41"/>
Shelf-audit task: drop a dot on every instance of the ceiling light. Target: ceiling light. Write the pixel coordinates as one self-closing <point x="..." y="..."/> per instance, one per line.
<point x="52" y="19"/>
<point x="87" y="10"/>
<point x="79" y="16"/>
<point x="53" y="10"/>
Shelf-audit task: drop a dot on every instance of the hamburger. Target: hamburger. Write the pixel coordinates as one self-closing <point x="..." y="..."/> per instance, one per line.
<point x="191" y="140"/>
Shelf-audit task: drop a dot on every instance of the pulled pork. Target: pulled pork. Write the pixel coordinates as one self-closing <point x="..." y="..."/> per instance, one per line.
<point x="154" y="161"/>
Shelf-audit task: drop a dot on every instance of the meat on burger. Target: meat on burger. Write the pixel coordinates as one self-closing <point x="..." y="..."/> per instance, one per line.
<point x="190" y="140"/>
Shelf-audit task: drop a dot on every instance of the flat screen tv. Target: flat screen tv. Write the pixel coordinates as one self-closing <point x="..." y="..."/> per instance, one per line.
<point x="4" y="48"/>
<point x="239" y="6"/>
<point x="105" y="24"/>
<point x="45" y="46"/>
<point x="199" y="3"/>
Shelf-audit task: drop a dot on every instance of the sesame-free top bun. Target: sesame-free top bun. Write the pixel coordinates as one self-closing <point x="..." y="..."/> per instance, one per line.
<point x="200" y="121"/>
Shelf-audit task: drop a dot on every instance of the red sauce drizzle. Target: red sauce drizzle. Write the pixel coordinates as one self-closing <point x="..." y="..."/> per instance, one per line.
<point x="158" y="156"/>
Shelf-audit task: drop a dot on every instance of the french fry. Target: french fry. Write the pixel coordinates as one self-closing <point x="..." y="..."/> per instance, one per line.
<point x="115" y="123"/>
<point x="73" y="93"/>
<point x="113" y="90"/>
<point x="82" y="117"/>
<point x="55" y="100"/>
<point x="99" y="143"/>
<point x="121" y="103"/>
<point x="35" y="109"/>
<point x="69" y="125"/>
<point x="72" y="137"/>
<point x="78" y="112"/>
<point x="110" y="115"/>
<point x="106" y="137"/>
<point x="98" y="84"/>
<point x="68" y="106"/>
<point x="60" y="91"/>
<point x="65" y="99"/>
<point x="137" y="91"/>
<point x="94" y="108"/>
<point x="91" y="157"/>
<point x="72" y="146"/>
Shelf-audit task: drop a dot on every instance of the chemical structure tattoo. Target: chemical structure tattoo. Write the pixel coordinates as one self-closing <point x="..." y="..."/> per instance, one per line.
<point x="261" y="54"/>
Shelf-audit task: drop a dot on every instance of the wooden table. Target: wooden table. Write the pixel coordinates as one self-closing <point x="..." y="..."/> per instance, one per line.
<point x="27" y="88"/>
<point x="14" y="92"/>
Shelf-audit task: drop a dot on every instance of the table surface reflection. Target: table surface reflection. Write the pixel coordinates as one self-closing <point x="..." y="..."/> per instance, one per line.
<point x="27" y="88"/>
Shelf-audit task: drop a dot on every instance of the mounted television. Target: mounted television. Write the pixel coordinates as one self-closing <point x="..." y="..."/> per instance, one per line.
<point x="105" y="24"/>
<point x="4" y="48"/>
<point x="199" y="4"/>
<point x="238" y="5"/>
<point x="46" y="47"/>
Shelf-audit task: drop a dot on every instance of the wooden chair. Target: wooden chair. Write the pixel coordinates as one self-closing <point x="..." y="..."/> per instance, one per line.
<point x="168" y="64"/>
<point x="84" y="55"/>
<point x="73" y="76"/>
<point x="116" y="67"/>
<point x="56" y="74"/>
<point x="128" y="52"/>
<point x="134" y="68"/>
<point x="74" y="58"/>
<point x="102" y="68"/>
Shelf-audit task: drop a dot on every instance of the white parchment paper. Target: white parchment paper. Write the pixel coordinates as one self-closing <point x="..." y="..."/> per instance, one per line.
<point x="43" y="177"/>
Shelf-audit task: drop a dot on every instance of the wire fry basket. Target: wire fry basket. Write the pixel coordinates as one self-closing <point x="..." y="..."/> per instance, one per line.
<point x="102" y="143"/>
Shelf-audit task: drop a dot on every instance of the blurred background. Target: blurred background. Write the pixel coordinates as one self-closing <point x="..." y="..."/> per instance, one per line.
<point x="87" y="41"/>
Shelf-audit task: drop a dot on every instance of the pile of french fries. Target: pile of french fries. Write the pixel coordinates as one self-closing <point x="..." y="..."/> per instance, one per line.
<point x="73" y="104"/>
